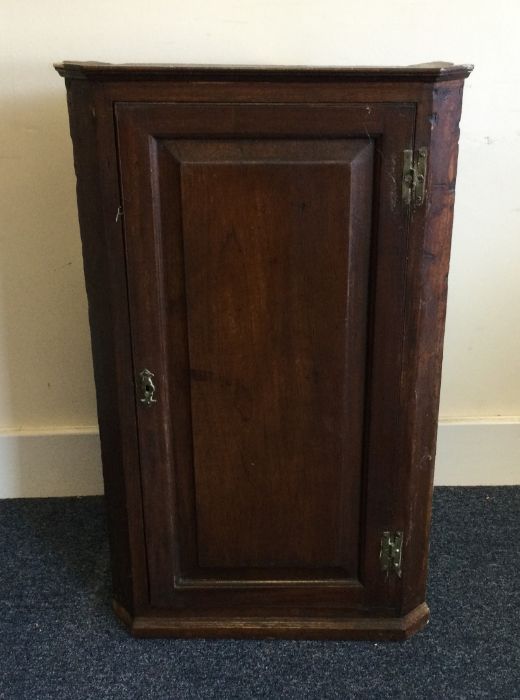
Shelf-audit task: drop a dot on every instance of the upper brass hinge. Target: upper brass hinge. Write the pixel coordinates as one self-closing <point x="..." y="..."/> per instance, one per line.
<point x="391" y="552"/>
<point x="414" y="176"/>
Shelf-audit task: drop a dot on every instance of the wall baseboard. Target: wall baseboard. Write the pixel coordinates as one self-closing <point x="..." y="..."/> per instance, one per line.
<point x="478" y="452"/>
<point x="67" y="461"/>
<point x="51" y="462"/>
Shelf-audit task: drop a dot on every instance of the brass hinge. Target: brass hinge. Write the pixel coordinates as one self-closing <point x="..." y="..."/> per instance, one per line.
<point x="414" y="176"/>
<point x="391" y="552"/>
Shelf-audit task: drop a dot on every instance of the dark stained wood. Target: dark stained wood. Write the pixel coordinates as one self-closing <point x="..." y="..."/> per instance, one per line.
<point x="318" y="627"/>
<point x="103" y="258"/>
<point x="276" y="411"/>
<point x="276" y="374"/>
<point x="292" y="310"/>
<point x="428" y="265"/>
<point x="425" y="72"/>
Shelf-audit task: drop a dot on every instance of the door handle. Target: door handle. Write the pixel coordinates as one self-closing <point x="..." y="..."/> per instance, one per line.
<point x="147" y="387"/>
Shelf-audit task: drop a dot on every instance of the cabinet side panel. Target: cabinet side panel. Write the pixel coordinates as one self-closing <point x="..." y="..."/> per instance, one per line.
<point x="429" y="252"/>
<point x="103" y="260"/>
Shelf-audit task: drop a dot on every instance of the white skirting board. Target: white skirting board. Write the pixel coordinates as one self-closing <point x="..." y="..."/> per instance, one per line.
<point x="51" y="462"/>
<point x="67" y="462"/>
<point x="478" y="452"/>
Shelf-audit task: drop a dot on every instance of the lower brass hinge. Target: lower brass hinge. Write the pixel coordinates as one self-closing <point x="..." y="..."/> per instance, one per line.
<point x="391" y="552"/>
<point x="414" y="176"/>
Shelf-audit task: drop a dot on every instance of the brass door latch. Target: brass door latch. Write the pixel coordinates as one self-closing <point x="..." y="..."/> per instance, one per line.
<point x="147" y="387"/>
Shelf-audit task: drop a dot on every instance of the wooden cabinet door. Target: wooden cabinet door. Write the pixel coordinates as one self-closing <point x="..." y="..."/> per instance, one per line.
<point x="265" y="249"/>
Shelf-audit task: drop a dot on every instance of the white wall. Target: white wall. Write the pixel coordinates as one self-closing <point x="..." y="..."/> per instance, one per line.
<point x="46" y="385"/>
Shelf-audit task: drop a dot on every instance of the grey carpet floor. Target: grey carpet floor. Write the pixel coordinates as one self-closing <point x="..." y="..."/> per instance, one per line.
<point x="59" y="638"/>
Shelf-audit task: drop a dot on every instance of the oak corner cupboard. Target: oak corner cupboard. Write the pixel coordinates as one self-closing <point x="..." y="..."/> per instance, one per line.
<point x="266" y="252"/>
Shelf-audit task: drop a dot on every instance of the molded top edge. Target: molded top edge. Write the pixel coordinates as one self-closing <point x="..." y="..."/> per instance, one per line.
<point x="423" y="72"/>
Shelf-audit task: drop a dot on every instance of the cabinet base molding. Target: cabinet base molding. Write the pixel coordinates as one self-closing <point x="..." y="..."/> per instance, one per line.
<point x="354" y="628"/>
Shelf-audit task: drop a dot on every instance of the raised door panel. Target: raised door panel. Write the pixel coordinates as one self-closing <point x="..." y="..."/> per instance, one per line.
<point x="270" y="230"/>
<point x="252" y="237"/>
